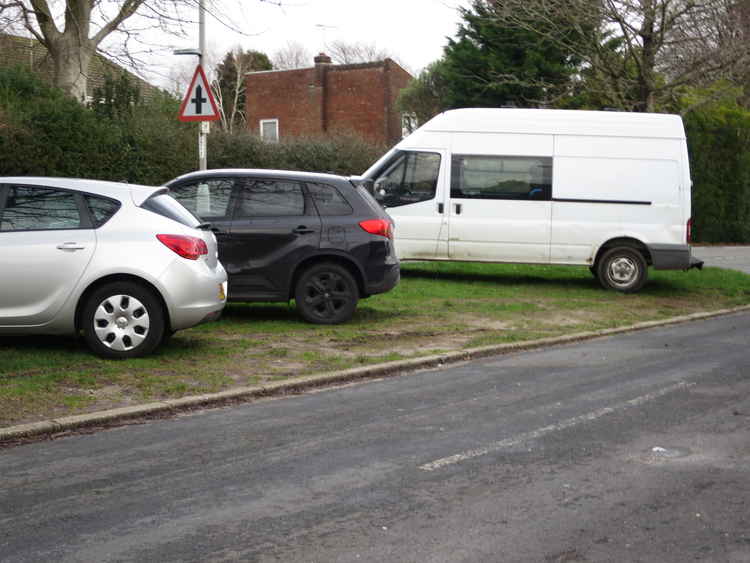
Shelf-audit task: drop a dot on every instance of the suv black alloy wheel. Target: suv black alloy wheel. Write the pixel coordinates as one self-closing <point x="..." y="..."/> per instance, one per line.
<point x="326" y="294"/>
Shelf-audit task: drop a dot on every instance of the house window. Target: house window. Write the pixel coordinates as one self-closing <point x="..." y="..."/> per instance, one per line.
<point x="269" y="130"/>
<point x="408" y="124"/>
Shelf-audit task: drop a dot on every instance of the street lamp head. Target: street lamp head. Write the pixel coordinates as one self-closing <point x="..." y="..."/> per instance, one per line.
<point x="196" y="52"/>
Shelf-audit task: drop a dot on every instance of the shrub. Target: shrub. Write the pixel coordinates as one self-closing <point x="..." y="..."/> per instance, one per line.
<point x="346" y="155"/>
<point x="122" y="137"/>
<point x="48" y="133"/>
<point x="718" y="141"/>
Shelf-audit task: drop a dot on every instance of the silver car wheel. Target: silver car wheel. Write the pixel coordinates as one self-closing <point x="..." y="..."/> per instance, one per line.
<point x="121" y="322"/>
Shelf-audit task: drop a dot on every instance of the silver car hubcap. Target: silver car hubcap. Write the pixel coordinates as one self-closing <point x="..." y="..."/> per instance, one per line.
<point x="623" y="270"/>
<point x="121" y="322"/>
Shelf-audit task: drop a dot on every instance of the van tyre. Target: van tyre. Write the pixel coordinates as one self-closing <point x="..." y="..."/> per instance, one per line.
<point x="122" y="320"/>
<point x="326" y="293"/>
<point x="622" y="269"/>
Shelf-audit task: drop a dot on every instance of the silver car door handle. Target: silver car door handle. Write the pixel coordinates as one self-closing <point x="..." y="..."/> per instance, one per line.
<point x="70" y="246"/>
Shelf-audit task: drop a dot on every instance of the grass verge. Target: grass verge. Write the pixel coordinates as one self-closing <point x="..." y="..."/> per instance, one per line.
<point x="437" y="307"/>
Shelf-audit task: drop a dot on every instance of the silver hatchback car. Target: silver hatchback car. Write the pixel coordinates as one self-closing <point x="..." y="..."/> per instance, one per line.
<point x="124" y="265"/>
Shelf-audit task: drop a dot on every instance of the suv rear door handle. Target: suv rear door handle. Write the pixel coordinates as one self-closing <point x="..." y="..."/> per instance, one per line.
<point x="302" y="230"/>
<point x="70" y="246"/>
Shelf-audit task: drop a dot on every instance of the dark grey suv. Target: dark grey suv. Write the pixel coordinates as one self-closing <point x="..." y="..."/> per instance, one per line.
<point x="319" y="239"/>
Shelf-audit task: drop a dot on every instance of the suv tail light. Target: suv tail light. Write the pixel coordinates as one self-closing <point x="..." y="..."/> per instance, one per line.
<point x="382" y="227"/>
<point x="188" y="247"/>
<point x="689" y="231"/>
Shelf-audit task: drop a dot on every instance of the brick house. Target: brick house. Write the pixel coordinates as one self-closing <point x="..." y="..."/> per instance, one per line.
<point x="29" y="53"/>
<point x="349" y="99"/>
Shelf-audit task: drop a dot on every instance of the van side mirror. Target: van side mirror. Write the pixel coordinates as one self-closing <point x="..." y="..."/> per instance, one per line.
<point x="379" y="188"/>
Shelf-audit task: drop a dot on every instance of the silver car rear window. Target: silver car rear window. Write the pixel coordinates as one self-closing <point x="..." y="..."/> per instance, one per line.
<point x="164" y="204"/>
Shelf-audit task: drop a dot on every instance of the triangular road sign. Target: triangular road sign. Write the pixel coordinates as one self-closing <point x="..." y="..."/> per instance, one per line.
<point x="199" y="104"/>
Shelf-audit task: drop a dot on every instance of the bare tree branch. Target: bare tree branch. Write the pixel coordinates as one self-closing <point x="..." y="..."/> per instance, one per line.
<point x="292" y="55"/>
<point x="639" y="53"/>
<point x="72" y="31"/>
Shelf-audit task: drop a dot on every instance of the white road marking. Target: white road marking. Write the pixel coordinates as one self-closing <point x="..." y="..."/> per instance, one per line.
<point x="539" y="432"/>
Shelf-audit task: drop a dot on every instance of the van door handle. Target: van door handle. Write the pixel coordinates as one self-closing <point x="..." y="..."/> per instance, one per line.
<point x="440" y="208"/>
<point x="70" y="246"/>
<point x="302" y="230"/>
<point x="458" y="208"/>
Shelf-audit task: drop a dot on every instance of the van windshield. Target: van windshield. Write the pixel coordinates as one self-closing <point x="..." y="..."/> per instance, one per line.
<point x="408" y="177"/>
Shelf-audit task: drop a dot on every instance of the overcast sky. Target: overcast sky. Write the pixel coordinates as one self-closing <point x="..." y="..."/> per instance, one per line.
<point x="414" y="31"/>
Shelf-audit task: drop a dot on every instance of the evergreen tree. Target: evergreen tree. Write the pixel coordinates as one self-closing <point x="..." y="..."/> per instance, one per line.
<point x="492" y="64"/>
<point x="424" y="97"/>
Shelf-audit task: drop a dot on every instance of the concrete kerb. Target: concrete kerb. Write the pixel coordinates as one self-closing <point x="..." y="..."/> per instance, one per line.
<point x="300" y="384"/>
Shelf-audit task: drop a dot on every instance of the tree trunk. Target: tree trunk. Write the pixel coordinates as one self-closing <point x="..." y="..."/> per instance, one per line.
<point x="650" y="46"/>
<point x="72" y="61"/>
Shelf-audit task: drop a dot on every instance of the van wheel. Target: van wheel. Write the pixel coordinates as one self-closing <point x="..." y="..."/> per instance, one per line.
<point x="326" y="294"/>
<point x="623" y="269"/>
<point x="122" y="320"/>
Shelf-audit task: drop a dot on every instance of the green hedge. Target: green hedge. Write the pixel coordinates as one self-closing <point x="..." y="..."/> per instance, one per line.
<point x="719" y="147"/>
<point x="346" y="155"/>
<point x="43" y="132"/>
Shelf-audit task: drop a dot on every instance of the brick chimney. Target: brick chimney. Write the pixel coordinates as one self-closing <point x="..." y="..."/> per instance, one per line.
<point x="322" y="62"/>
<point x="322" y="59"/>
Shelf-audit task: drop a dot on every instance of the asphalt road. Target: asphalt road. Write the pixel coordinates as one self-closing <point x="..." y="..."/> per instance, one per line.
<point x="734" y="257"/>
<point x="627" y="448"/>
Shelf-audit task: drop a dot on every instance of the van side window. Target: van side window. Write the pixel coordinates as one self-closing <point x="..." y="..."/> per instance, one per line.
<point x="412" y="177"/>
<point x="501" y="177"/>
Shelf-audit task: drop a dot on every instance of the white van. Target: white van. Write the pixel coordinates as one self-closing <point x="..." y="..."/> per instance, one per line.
<point x="608" y="190"/>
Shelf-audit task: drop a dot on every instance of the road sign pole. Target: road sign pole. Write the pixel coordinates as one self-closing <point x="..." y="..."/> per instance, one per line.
<point x="202" y="145"/>
<point x="199" y="103"/>
<point x="203" y="128"/>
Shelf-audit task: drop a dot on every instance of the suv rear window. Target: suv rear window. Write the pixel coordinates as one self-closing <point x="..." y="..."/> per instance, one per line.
<point x="369" y="199"/>
<point x="329" y="200"/>
<point x="165" y="205"/>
